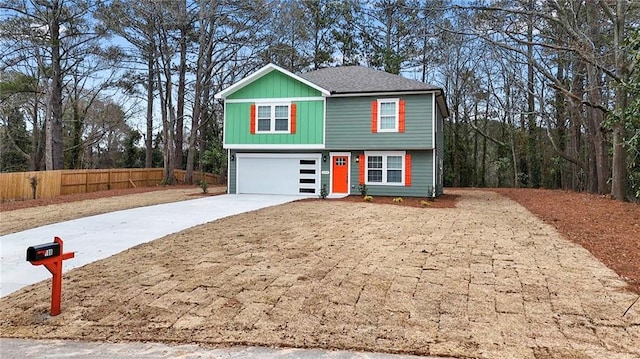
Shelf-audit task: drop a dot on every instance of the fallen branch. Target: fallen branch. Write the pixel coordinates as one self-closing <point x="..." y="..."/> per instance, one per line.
<point x="634" y="302"/>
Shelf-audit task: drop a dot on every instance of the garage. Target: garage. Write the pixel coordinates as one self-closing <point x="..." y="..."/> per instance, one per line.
<point x="269" y="173"/>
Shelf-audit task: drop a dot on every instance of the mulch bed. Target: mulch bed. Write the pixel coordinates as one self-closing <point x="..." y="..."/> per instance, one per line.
<point x="444" y="201"/>
<point x="609" y="229"/>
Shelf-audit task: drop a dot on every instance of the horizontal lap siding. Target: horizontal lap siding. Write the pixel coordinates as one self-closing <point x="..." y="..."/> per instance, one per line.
<point x="231" y="181"/>
<point x="421" y="177"/>
<point x="349" y="124"/>
<point x="309" y="128"/>
<point x="439" y="153"/>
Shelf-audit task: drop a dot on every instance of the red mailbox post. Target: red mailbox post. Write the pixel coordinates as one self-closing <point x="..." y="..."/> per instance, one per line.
<point x="51" y="256"/>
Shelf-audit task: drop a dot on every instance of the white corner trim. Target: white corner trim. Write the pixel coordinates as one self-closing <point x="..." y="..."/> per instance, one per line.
<point x="434" y="124"/>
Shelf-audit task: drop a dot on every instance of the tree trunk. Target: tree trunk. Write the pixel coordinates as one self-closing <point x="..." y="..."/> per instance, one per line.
<point x="182" y="79"/>
<point x="619" y="175"/>
<point x="533" y="157"/>
<point x="148" y="141"/>
<point x="54" y="153"/>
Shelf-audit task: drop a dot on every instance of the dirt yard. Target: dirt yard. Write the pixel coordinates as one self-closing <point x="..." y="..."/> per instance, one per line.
<point x="484" y="279"/>
<point x="22" y="215"/>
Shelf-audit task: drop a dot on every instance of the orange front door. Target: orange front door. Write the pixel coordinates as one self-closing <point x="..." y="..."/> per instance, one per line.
<point x="340" y="176"/>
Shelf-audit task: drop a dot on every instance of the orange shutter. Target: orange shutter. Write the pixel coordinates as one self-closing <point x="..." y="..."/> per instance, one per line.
<point x="374" y="117"/>
<point x="361" y="173"/>
<point x="293" y="118"/>
<point x="252" y="122"/>
<point x="407" y="170"/>
<point x="401" y="116"/>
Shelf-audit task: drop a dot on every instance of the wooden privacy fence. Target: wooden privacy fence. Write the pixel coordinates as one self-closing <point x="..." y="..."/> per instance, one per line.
<point x="49" y="184"/>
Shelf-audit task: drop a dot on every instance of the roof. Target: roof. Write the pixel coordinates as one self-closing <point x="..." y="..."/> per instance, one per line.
<point x="261" y="72"/>
<point x="345" y="80"/>
<point x="359" y="79"/>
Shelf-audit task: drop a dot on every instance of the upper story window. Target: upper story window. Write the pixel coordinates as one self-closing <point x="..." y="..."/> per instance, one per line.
<point x="388" y="115"/>
<point x="272" y="118"/>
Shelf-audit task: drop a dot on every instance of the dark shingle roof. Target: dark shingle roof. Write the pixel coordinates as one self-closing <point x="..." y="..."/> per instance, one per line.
<point x="359" y="79"/>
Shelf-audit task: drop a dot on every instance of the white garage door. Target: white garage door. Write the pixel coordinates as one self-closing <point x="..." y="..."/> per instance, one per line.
<point x="278" y="173"/>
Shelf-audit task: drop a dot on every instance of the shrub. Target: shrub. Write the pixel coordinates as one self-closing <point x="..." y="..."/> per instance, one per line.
<point x="33" y="180"/>
<point x="204" y="185"/>
<point x="324" y="192"/>
<point x="363" y="189"/>
<point x="397" y="200"/>
<point x="368" y="198"/>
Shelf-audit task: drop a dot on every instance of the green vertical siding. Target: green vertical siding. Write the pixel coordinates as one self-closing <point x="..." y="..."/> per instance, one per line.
<point x="421" y="177"/>
<point x="349" y="124"/>
<point x="275" y="85"/>
<point x="309" y="126"/>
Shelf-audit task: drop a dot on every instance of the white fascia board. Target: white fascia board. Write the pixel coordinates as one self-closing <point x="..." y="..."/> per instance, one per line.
<point x="275" y="99"/>
<point x="261" y="72"/>
<point x="392" y="93"/>
<point x="273" y="147"/>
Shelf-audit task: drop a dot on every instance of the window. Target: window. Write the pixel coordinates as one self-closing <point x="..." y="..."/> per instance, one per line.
<point x="272" y="118"/>
<point x="388" y="115"/>
<point x="385" y="168"/>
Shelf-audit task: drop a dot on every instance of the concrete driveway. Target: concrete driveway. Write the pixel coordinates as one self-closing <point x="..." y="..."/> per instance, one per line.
<point x="97" y="237"/>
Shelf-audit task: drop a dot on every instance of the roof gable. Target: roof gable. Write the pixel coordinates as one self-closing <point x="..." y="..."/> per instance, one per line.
<point x="261" y="73"/>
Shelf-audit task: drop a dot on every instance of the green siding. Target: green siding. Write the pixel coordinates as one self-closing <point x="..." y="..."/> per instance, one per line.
<point x="309" y="128"/>
<point x="275" y="85"/>
<point x="421" y="177"/>
<point x="231" y="181"/>
<point x="439" y="152"/>
<point x="349" y="124"/>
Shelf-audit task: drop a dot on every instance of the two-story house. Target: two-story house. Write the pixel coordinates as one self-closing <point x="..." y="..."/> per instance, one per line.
<point x="337" y="127"/>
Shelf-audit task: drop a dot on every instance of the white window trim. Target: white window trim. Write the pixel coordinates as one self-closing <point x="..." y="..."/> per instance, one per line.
<point x="397" y="103"/>
<point x="384" y="169"/>
<point x="272" y="127"/>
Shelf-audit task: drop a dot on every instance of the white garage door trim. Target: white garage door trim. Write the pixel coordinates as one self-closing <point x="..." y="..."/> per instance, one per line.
<point x="278" y="173"/>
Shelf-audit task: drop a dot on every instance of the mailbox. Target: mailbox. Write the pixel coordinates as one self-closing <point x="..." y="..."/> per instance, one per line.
<point x="43" y="251"/>
<point x="51" y="256"/>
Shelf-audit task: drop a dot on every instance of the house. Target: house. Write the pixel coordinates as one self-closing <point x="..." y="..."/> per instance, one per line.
<point x="336" y="128"/>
